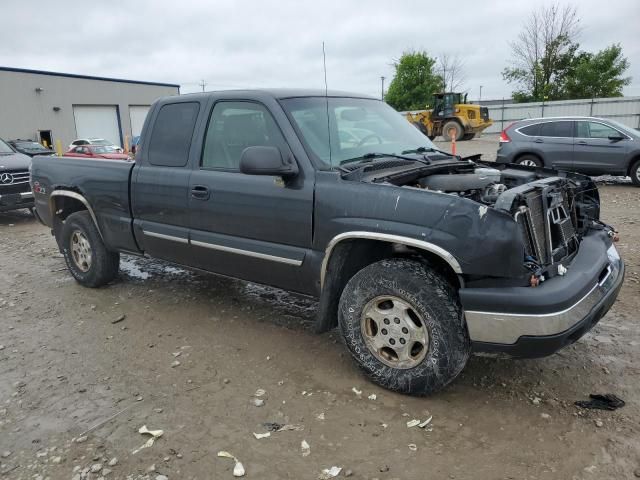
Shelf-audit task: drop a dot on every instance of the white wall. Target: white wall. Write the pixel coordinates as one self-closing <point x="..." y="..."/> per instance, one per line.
<point x="625" y="110"/>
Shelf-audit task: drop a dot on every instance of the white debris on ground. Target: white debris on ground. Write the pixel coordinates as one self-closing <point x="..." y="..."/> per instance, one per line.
<point x="238" y="468"/>
<point x="328" y="473"/>
<point x="155" y="434"/>
<point x="305" y="448"/>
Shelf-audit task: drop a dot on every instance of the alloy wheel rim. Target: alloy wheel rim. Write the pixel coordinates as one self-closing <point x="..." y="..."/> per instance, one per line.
<point x="394" y="332"/>
<point x="81" y="251"/>
<point x="528" y="163"/>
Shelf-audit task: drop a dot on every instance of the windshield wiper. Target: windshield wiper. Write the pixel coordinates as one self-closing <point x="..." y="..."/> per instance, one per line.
<point x="425" y="150"/>
<point x="368" y="157"/>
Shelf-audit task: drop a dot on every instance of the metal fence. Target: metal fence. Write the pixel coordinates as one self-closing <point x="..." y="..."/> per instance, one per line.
<point x="622" y="109"/>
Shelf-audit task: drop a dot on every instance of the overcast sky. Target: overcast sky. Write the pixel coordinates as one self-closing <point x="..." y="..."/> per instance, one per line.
<point x="264" y="43"/>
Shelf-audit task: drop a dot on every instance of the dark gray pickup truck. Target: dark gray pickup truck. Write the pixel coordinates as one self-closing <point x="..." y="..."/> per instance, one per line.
<point x="419" y="257"/>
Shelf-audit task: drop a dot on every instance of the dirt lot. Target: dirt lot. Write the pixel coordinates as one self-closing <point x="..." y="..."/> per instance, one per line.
<point x="193" y="349"/>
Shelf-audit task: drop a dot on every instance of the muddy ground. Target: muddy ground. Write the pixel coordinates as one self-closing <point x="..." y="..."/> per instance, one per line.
<point x="75" y="387"/>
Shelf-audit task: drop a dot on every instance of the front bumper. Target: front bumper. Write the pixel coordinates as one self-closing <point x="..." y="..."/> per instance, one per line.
<point x="530" y="322"/>
<point x="15" y="201"/>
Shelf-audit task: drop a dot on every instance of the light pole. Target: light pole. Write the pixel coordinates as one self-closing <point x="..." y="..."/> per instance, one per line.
<point x="382" y="89"/>
<point x="480" y="98"/>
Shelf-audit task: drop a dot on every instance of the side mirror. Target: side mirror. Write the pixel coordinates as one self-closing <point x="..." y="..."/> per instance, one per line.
<point x="616" y="138"/>
<point x="267" y="161"/>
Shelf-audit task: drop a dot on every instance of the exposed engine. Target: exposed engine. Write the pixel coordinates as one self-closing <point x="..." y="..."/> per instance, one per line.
<point x="483" y="185"/>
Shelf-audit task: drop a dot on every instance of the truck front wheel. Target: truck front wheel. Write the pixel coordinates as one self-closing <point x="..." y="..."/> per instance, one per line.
<point x="403" y="324"/>
<point x="87" y="258"/>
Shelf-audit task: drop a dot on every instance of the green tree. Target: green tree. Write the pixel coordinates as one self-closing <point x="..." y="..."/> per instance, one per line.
<point x="542" y="53"/>
<point x="414" y="83"/>
<point x="598" y="75"/>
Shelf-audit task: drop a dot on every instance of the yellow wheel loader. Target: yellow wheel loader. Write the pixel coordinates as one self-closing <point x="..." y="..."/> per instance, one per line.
<point x="451" y="111"/>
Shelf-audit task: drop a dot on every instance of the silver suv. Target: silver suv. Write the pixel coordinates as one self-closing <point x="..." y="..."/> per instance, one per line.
<point x="589" y="145"/>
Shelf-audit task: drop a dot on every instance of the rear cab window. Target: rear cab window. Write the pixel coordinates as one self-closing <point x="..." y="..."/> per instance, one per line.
<point x="171" y="134"/>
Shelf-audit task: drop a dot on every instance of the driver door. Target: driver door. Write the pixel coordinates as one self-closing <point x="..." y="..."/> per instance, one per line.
<point x="249" y="226"/>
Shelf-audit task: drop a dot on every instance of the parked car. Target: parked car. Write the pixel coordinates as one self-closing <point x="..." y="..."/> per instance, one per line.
<point x="30" y="147"/>
<point x="418" y="256"/>
<point x="95" y="141"/>
<point x="589" y="145"/>
<point x="96" y="151"/>
<point x="15" y="191"/>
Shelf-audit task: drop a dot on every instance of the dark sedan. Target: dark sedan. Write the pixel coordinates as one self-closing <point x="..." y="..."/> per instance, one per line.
<point x="29" y="147"/>
<point x="593" y="146"/>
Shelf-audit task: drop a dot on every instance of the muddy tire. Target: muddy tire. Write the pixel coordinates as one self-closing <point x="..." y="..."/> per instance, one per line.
<point x="403" y="324"/>
<point x="634" y="173"/>
<point x="459" y="131"/>
<point x="468" y="136"/>
<point x="529" y="161"/>
<point x="87" y="258"/>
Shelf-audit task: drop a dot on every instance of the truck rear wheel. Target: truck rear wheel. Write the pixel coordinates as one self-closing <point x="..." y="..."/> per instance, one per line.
<point x="87" y="258"/>
<point x="452" y="124"/>
<point x="403" y="324"/>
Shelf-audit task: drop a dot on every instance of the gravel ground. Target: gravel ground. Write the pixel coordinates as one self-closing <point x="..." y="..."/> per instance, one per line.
<point x="77" y="381"/>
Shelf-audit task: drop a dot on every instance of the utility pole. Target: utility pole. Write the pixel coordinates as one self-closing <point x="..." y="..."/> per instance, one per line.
<point x="382" y="89"/>
<point x="202" y="84"/>
<point x="480" y="98"/>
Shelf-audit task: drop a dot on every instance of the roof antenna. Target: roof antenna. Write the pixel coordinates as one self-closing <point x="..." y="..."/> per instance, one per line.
<point x="326" y="97"/>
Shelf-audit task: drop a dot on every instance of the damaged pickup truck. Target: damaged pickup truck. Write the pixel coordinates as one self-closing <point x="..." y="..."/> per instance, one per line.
<point x="418" y="257"/>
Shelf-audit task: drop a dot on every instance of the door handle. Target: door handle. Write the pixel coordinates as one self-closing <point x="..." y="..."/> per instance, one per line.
<point x="581" y="142"/>
<point x="200" y="192"/>
<point x="539" y="140"/>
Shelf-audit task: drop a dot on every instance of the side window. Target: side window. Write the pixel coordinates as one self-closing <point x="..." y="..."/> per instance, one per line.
<point x="556" y="129"/>
<point x="234" y="126"/>
<point x="171" y="134"/>
<point x="531" y="130"/>
<point x="582" y="129"/>
<point x="598" y="130"/>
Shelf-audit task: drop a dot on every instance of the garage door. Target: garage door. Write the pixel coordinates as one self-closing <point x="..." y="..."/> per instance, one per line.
<point x="97" y="121"/>
<point x="137" y="114"/>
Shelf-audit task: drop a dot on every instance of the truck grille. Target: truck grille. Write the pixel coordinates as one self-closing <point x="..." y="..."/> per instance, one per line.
<point x="484" y="113"/>
<point x="547" y="226"/>
<point x="14" y="181"/>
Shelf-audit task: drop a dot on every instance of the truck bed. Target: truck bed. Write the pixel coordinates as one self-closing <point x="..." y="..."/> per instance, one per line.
<point x="103" y="183"/>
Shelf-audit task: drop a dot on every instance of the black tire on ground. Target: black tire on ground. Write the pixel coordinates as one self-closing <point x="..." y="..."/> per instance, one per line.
<point x="87" y="258"/>
<point x="468" y="136"/>
<point x="455" y="125"/>
<point x="529" y="161"/>
<point x="635" y="173"/>
<point x="433" y="307"/>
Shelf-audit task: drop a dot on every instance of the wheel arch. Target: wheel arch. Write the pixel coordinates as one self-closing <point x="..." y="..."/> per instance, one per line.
<point x="634" y="159"/>
<point x="349" y="252"/>
<point x="63" y="203"/>
<point x="529" y="153"/>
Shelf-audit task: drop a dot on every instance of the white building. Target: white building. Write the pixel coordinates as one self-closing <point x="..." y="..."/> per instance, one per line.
<point x="51" y="106"/>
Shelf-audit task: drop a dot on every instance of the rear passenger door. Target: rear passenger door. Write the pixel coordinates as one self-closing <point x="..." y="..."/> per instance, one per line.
<point x="594" y="153"/>
<point x="555" y="141"/>
<point x="160" y="183"/>
<point x="249" y="226"/>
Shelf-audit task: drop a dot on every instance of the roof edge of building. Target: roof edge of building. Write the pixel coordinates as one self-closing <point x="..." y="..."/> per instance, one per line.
<point x="85" y="77"/>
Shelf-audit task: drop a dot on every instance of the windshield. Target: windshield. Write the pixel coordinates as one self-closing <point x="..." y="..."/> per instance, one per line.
<point x="621" y="126"/>
<point x="100" y="141"/>
<point x="101" y="149"/>
<point x="4" y="148"/>
<point x="34" y="146"/>
<point x="357" y="127"/>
